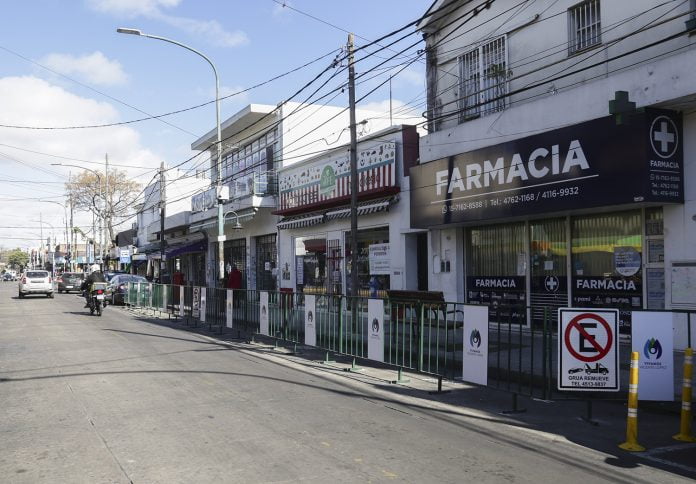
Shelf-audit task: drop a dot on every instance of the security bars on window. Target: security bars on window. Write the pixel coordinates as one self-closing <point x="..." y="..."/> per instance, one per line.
<point x="584" y="26"/>
<point x="483" y="80"/>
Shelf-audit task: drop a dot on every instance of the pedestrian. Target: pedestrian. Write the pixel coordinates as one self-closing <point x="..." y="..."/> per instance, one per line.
<point x="234" y="279"/>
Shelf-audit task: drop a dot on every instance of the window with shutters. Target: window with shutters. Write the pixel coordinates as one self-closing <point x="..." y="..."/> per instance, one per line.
<point x="483" y="80"/>
<point x="584" y="26"/>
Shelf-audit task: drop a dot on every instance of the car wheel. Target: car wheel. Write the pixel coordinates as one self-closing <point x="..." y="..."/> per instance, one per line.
<point x="50" y="294"/>
<point x="21" y="296"/>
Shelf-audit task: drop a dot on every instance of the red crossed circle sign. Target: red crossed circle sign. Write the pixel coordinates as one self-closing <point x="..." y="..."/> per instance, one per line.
<point x="574" y="324"/>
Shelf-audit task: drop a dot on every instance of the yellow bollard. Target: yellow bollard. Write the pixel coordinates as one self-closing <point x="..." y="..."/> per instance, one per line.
<point x="685" y="434"/>
<point x="632" y="418"/>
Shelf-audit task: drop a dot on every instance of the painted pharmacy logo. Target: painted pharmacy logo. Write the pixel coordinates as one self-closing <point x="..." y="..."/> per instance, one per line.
<point x="327" y="182"/>
<point x="375" y="325"/>
<point x="475" y="338"/>
<point x="551" y="283"/>
<point x="652" y="349"/>
<point x="663" y="137"/>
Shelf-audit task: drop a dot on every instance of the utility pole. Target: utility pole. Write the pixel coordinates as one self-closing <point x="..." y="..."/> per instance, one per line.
<point x="353" y="174"/>
<point x="107" y="213"/>
<point x="42" y="241"/>
<point x="163" y="213"/>
<point x="73" y="239"/>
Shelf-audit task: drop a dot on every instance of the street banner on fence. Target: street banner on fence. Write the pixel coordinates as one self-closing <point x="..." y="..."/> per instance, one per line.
<point x="588" y="357"/>
<point x="149" y="292"/>
<point x="263" y="313"/>
<point x="181" y="302"/>
<point x="203" y="297"/>
<point x="229" y="309"/>
<point x="375" y="329"/>
<point x="310" y="334"/>
<point x="195" y="306"/>
<point x="475" y="354"/>
<point x="164" y="298"/>
<point x="652" y="338"/>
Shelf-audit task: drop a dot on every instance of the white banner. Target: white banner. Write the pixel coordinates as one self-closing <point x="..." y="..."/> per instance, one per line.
<point x="229" y="309"/>
<point x="588" y="356"/>
<point x="203" y="296"/>
<point x="196" y="304"/>
<point x="149" y="291"/>
<point x="375" y="329"/>
<point x="181" y="302"/>
<point x="310" y="306"/>
<point x="379" y="259"/>
<point x="164" y="297"/>
<point x="263" y="313"/>
<point x="475" y="354"/>
<point x="652" y="338"/>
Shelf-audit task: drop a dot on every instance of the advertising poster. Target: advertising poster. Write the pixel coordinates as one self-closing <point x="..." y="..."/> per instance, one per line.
<point x="263" y="313"/>
<point x="380" y="261"/>
<point x="202" y="312"/>
<point x="475" y="354"/>
<point x="588" y="358"/>
<point x="196" y="305"/>
<point x="652" y="338"/>
<point x="375" y="329"/>
<point x="182" y="306"/>
<point x="229" y="309"/>
<point x="310" y="320"/>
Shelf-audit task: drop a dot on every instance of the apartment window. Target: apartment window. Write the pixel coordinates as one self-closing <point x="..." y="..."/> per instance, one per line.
<point x="483" y="80"/>
<point x="584" y="26"/>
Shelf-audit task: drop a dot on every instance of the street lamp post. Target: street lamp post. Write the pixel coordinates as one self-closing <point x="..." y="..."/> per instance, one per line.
<point x="98" y="175"/>
<point x="218" y="164"/>
<point x="65" y="214"/>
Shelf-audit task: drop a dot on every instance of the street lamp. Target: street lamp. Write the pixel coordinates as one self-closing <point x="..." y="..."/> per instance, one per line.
<point x="236" y="225"/>
<point x="65" y="214"/>
<point x="218" y="183"/>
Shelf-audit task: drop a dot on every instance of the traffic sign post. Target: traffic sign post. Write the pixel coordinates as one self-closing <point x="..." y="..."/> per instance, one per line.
<point x="588" y="357"/>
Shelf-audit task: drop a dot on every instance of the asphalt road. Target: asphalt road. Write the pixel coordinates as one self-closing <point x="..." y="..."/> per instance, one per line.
<point x="120" y="399"/>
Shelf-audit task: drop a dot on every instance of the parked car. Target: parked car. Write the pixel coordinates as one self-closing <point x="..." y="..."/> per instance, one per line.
<point x="36" y="282"/>
<point x="70" y="281"/>
<point x="110" y="274"/>
<point x="118" y="285"/>
<point x="7" y="277"/>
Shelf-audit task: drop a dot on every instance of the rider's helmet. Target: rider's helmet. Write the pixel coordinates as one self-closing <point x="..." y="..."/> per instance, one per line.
<point x="94" y="268"/>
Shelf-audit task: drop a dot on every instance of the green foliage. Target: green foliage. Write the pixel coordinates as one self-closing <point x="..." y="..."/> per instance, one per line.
<point x="17" y="257"/>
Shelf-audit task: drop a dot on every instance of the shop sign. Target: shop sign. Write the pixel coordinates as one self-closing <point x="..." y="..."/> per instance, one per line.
<point x="124" y="256"/>
<point x="652" y="338"/>
<point x="592" y="164"/>
<point x="380" y="260"/>
<point x="310" y="320"/>
<point x="375" y="329"/>
<point x="626" y="261"/>
<point x="588" y="358"/>
<point x="209" y="198"/>
<point x="328" y="179"/>
<point x="263" y="313"/>
<point x="475" y="353"/>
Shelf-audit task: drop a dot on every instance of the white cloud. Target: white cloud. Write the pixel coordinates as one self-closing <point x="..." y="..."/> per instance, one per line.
<point x="30" y="101"/>
<point x="210" y="30"/>
<point x="95" y="68"/>
<point x="411" y="77"/>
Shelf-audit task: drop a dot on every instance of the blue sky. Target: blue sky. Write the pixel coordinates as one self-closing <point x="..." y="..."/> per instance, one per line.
<point x="63" y="64"/>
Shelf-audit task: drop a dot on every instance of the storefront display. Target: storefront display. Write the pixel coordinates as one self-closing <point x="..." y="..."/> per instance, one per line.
<point x="370" y="284"/>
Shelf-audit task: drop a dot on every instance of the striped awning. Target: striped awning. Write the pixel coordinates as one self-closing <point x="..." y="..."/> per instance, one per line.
<point x="364" y="208"/>
<point x="300" y="221"/>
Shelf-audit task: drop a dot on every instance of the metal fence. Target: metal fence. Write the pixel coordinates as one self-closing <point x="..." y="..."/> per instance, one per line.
<point x="425" y="337"/>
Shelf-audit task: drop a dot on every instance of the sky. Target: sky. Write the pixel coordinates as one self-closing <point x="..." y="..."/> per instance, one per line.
<point x="63" y="65"/>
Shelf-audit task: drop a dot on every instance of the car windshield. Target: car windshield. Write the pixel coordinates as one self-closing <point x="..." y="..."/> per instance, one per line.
<point x="73" y="275"/>
<point x="123" y="279"/>
<point x="37" y="274"/>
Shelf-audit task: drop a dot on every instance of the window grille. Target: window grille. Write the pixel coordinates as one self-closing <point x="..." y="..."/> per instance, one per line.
<point x="483" y="80"/>
<point x="584" y="26"/>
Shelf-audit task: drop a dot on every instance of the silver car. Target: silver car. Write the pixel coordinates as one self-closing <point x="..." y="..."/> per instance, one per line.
<point x="36" y="282"/>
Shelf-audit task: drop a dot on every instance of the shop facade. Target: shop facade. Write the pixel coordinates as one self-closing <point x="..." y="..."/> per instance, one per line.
<point x="314" y="234"/>
<point x="570" y="217"/>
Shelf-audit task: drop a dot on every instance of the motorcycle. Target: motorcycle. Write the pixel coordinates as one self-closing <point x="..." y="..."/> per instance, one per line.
<point x="96" y="298"/>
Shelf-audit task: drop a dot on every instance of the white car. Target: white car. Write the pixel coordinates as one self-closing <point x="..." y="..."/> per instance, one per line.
<point x="36" y="282"/>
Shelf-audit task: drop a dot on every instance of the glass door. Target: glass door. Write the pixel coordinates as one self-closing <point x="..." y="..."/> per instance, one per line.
<point x="548" y="268"/>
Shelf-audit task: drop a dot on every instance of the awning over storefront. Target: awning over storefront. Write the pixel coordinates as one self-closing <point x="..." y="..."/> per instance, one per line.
<point x="301" y="221"/>
<point x="180" y="249"/>
<point x="242" y="215"/>
<point x="364" y="208"/>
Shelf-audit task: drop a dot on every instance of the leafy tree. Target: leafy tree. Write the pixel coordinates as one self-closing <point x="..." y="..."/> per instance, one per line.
<point x="17" y="258"/>
<point x="88" y="191"/>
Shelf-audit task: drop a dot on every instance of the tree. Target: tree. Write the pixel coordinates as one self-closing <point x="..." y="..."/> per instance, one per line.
<point x="88" y="191"/>
<point x="17" y="258"/>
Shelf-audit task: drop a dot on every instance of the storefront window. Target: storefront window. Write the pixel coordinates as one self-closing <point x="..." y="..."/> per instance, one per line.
<point x="236" y="255"/>
<point x="607" y="261"/>
<point x="310" y="264"/>
<point x="374" y="262"/>
<point x="266" y="255"/>
<point x="548" y="268"/>
<point x="496" y="269"/>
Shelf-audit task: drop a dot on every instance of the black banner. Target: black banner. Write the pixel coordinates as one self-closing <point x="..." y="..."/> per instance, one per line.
<point x="592" y="164"/>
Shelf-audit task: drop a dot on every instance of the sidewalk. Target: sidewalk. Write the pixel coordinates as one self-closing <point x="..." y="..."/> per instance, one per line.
<point x="601" y="426"/>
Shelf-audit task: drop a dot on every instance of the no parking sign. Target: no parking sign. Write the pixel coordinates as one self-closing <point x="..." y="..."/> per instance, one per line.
<point x="588" y="359"/>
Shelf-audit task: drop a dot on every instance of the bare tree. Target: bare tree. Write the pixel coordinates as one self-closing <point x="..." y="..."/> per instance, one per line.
<point x="88" y="191"/>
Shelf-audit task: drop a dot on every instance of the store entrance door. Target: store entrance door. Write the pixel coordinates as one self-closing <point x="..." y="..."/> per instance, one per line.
<point x="548" y="268"/>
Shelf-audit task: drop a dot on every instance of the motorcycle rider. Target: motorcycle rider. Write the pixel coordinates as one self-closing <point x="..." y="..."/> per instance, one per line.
<point x="95" y="275"/>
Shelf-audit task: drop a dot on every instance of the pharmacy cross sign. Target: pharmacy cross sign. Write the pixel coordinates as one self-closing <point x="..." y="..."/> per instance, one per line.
<point x="551" y="283"/>
<point x="663" y="136"/>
